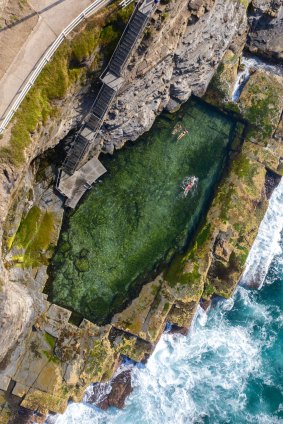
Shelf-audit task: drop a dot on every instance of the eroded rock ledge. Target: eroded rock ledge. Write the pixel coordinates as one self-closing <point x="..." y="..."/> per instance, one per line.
<point x="48" y="360"/>
<point x="266" y="34"/>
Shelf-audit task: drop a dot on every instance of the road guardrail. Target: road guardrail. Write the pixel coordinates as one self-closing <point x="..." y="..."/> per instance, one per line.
<point x="26" y="86"/>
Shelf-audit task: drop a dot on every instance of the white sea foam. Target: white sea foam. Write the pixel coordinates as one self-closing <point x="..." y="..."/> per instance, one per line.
<point x="252" y="62"/>
<point x="199" y="378"/>
<point x="203" y="377"/>
<point x="213" y="361"/>
<point x="267" y="242"/>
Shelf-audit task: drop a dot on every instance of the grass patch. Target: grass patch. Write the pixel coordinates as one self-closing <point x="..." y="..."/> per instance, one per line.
<point x="34" y="237"/>
<point x="50" y="340"/>
<point x="51" y="357"/>
<point x="208" y="290"/>
<point x="244" y="168"/>
<point x="261" y="105"/>
<point x="225" y="199"/>
<point x="64" y="71"/>
<point x="203" y="235"/>
<point x="177" y="274"/>
<point x="245" y="3"/>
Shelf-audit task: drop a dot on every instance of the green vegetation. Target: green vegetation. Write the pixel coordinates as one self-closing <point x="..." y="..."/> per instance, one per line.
<point x="221" y="86"/>
<point x="203" y="235"/>
<point x="137" y="218"/>
<point x="22" y="3"/>
<point x="218" y="91"/>
<point x="243" y="257"/>
<point x="177" y="273"/>
<point x="94" y="42"/>
<point x="260" y="104"/>
<point x="32" y="241"/>
<point x="208" y="291"/>
<point x="245" y="3"/>
<point x="50" y="340"/>
<point x="245" y="169"/>
<point x="225" y="199"/>
<point x="51" y="357"/>
<point x="96" y="358"/>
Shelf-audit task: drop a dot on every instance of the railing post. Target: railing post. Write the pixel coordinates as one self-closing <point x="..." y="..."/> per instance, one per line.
<point x="45" y="59"/>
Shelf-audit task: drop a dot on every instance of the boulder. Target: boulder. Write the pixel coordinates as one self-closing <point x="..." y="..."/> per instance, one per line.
<point x="266" y="35"/>
<point x="113" y="393"/>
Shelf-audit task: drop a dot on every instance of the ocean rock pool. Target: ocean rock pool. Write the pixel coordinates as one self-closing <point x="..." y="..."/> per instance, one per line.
<point x="136" y="217"/>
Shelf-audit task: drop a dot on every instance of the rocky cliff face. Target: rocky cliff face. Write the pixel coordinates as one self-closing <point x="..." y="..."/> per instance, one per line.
<point x="178" y="56"/>
<point x="266" y="35"/>
<point x="3" y="3"/>
<point x="180" y="59"/>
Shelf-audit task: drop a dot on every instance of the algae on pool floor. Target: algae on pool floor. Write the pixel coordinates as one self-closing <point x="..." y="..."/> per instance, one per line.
<point x="136" y="218"/>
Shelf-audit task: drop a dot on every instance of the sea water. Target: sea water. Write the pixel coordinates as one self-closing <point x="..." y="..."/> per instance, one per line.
<point x="229" y="368"/>
<point x="136" y="218"/>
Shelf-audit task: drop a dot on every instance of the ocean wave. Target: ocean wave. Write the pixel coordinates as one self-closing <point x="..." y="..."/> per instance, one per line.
<point x="252" y="62"/>
<point x="227" y="369"/>
<point x="267" y="242"/>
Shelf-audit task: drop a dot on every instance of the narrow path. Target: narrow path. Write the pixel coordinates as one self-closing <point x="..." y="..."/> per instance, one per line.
<point x="54" y="16"/>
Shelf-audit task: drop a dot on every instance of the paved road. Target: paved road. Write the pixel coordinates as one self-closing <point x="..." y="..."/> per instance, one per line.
<point x="54" y="16"/>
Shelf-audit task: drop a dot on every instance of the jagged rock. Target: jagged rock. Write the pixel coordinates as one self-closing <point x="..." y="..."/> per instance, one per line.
<point x="222" y="249"/>
<point x="130" y="346"/>
<point x="15" y="314"/>
<point x="113" y="393"/>
<point x="266" y="34"/>
<point x="181" y="316"/>
<point x="264" y="6"/>
<point x="177" y="59"/>
<point x="185" y="65"/>
<point x="26" y="416"/>
<point x="203" y="46"/>
<point x="271" y="182"/>
<point x="218" y="256"/>
<point x="146" y="316"/>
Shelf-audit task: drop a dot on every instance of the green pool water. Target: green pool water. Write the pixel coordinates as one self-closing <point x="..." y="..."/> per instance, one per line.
<point x="133" y="221"/>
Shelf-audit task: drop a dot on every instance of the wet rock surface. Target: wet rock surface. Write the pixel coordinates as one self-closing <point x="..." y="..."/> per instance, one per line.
<point x="186" y="63"/>
<point x="113" y="393"/>
<point x="147" y="91"/>
<point x="55" y="360"/>
<point x="271" y="182"/>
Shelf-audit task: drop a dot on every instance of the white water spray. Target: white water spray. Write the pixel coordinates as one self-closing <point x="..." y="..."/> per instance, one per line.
<point x="267" y="242"/>
<point x="215" y="360"/>
<point x="204" y="375"/>
<point x="250" y="63"/>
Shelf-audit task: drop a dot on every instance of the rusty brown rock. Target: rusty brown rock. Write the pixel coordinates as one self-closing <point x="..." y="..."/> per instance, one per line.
<point x="113" y="393"/>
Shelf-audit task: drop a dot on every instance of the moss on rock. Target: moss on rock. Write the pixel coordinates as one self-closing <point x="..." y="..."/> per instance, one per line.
<point x="221" y="86"/>
<point x="66" y="70"/>
<point x="261" y="104"/>
<point x="35" y="239"/>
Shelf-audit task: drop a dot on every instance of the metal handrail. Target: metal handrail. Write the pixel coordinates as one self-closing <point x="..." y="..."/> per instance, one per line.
<point x="45" y="59"/>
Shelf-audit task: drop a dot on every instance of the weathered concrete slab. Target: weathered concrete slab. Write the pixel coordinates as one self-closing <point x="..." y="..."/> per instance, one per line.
<point x="113" y="81"/>
<point x="20" y="390"/>
<point x="146" y="316"/>
<point x="74" y="186"/>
